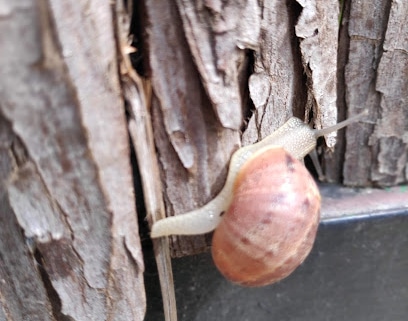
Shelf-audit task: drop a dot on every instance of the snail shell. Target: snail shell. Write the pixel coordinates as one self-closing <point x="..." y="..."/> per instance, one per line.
<point x="271" y="223"/>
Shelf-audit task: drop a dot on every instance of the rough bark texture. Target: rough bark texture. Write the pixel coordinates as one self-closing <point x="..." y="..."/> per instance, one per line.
<point x="276" y="85"/>
<point x="317" y="29"/>
<point x="292" y="56"/>
<point x="193" y="147"/>
<point x="390" y="137"/>
<point x="194" y="144"/>
<point x="70" y="248"/>
<point x="223" y="74"/>
<point x="376" y="68"/>
<point x="217" y="32"/>
<point x="140" y="130"/>
<point x="23" y="294"/>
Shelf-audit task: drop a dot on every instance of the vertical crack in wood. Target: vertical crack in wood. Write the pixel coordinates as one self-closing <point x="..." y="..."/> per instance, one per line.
<point x="317" y="29"/>
<point x="22" y="294"/>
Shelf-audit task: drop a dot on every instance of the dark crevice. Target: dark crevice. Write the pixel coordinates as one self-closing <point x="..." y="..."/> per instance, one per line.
<point x="342" y="59"/>
<point x="154" y="303"/>
<point x="51" y="292"/>
<point x="247" y="103"/>
<point x="300" y="88"/>
<point x="138" y="36"/>
<point x="137" y="185"/>
<point x="310" y="167"/>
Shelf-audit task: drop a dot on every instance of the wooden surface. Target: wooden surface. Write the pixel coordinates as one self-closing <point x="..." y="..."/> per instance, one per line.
<point x="193" y="142"/>
<point x="374" y="56"/>
<point x="193" y="148"/>
<point x="140" y="130"/>
<point x="222" y="75"/>
<point x="301" y="59"/>
<point x="69" y="245"/>
<point x="276" y="85"/>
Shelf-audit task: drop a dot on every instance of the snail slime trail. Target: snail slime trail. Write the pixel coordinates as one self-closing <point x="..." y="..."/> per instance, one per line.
<point x="270" y="205"/>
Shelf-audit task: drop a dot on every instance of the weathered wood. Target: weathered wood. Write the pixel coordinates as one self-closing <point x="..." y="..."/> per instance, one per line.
<point x="363" y="57"/>
<point x="140" y="129"/>
<point x="73" y="192"/>
<point x="276" y="85"/>
<point x="367" y="25"/>
<point x="374" y="53"/>
<point x="217" y="33"/>
<point x="318" y="30"/>
<point x="332" y="160"/>
<point x="390" y="137"/>
<point x="23" y="295"/>
<point x="193" y="147"/>
<point x="138" y="95"/>
<point x="375" y="78"/>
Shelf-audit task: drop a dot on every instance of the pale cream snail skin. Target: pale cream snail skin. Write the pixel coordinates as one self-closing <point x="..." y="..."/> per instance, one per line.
<point x="268" y="211"/>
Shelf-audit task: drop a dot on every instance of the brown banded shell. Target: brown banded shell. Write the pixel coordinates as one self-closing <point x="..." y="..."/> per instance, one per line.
<point x="271" y="223"/>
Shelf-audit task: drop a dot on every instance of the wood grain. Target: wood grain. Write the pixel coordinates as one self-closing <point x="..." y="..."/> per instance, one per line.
<point x="317" y="29"/>
<point x="193" y="148"/>
<point x="72" y="194"/>
<point x="372" y="74"/>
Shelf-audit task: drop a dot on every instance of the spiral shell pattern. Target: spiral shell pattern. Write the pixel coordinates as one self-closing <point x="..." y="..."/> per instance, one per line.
<point x="271" y="223"/>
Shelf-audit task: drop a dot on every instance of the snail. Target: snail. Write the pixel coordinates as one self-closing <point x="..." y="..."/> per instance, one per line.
<point x="266" y="215"/>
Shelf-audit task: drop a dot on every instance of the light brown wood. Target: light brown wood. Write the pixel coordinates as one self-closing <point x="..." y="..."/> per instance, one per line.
<point x="317" y="29"/>
<point x="193" y="148"/>
<point x="142" y="136"/>
<point x="374" y="54"/>
<point x="193" y="143"/>
<point x="222" y="75"/>
<point x="216" y="34"/>
<point x="276" y="86"/>
<point x="67" y="186"/>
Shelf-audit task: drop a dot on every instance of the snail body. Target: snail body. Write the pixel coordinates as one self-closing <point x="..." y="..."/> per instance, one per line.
<point x="267" y="212"/>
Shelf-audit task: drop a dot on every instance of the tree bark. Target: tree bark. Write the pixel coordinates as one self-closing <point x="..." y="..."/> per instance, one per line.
<point x="277" y="59"/>
<point x="260" y="52"/>
<point x="211" y="76"/>
<point x="374" y="62"/>
<point x="69" y="245"/>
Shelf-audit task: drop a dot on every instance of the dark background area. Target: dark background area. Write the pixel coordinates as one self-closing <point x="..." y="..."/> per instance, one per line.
<point x="358" y="270"/>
